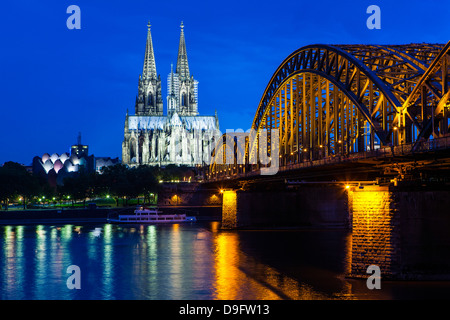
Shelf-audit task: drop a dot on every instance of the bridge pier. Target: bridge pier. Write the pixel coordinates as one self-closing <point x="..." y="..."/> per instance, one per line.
<point x="376" y="237"/>
<point x="317" y="206"/>
<point x="229" y="209"/>
<point x="403" y="230"/>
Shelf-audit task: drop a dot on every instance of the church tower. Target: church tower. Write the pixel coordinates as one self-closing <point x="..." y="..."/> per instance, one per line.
<point x="181" y="136"/>
<point x="182" y="88"/>
<point x="149" y="99"/>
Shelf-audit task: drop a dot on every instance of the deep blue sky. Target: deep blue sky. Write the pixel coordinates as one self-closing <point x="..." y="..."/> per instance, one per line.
<point x="56" y="82"/>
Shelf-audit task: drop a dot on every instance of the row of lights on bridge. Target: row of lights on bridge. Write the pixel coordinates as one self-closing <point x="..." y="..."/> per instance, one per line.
<point x="306" y="150"/>
<point x="347" y="186"/>
<point x="321" y="146"/>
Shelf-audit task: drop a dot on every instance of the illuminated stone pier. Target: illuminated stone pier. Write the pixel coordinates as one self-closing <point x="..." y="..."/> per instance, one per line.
<point x="229" y="209"/>
<point x="318" y="206"/>
<point x="375" y="230"/>
<point x="403" y="230"/>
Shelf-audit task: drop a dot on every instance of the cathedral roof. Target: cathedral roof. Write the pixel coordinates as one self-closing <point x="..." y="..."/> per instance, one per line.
<point x="161" y="122"/>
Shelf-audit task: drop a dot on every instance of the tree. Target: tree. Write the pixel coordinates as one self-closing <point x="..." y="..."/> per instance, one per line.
<point x="174" y="172"/>
<point x="16" y="181"/>
<point x="78" y="187"/>
<point x="146" y="181"/>
<point x="116" y="181"/>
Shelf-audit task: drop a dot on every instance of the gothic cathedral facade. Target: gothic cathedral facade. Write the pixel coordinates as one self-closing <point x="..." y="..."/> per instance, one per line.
<point x="181" y="136"/>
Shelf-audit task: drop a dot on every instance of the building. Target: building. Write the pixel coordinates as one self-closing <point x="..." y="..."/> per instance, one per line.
<point x="102" y="162"/>
<point x="55" y="168"/>
<point x="80" y="150"/>
<point x="181" y="136"/>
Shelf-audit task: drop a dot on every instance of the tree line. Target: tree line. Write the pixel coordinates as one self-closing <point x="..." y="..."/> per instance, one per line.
<point x="117" y="182"/>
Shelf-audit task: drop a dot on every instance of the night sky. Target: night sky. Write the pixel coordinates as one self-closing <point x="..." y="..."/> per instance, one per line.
<point x="56" y="82"/>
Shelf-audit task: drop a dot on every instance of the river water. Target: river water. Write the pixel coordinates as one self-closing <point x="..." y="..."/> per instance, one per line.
<point x="186" y="261"/>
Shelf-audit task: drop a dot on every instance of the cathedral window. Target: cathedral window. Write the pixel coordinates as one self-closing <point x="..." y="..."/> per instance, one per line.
<point x="133" y="150"/>
<point x="150" y="99"/>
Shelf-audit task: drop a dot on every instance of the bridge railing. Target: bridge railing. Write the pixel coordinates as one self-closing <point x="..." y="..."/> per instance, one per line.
<point x="436" y="144"/>
<point x="440" y="143"/>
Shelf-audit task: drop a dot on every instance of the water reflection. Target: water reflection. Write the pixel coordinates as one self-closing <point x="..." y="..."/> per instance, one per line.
<point x="10" y="258"/>
<point x="40" y="268"/>
<point x="107" y="261"/>
<point x="182" y="262"/>
<point x="239" y="276"/>
<point x="152" y="258"/>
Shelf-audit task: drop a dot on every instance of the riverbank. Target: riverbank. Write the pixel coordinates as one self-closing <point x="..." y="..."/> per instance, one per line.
<point x="60" y="215"/>
<point x="92" y="215"/>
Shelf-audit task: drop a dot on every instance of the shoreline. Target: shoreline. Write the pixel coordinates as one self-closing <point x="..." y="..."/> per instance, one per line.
<point x="50" y="221"/>
<point x="86" y="215"/>
<point x="54" y="216"/>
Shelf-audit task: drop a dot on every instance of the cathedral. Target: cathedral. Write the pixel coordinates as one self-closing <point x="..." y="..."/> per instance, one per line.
<point x="181" y="136"/>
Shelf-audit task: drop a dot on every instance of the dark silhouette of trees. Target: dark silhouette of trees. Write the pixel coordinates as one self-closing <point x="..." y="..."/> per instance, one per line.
<point x="125" y="183"/>
<point x="118" y="181"/>
<point x="78" y="187"/>
<point x="173" y="172"/>
<point x="114" y="180"/>
<point x="16" y="181"/>
<point x="146" y="181"/>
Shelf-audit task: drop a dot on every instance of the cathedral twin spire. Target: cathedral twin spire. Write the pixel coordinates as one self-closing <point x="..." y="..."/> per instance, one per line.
<point x="182" y="61"/>
<point x="149" y="71"/>
<point x="182" y="88"/>
<point x="149" y="99"/>
<point x="182" y="68"/>
<point x="150" y="137"/>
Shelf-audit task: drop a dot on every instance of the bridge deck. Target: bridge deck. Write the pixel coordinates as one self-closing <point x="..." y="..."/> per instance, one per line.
<point x="375" y="161"/>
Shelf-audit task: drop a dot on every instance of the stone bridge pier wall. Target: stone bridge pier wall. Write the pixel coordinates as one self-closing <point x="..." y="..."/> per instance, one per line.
<point x="303" y="206"/>
<point x="404" y="231"/>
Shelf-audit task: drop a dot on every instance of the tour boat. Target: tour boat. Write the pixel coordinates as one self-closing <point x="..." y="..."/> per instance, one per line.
<point x="150" y="215"/>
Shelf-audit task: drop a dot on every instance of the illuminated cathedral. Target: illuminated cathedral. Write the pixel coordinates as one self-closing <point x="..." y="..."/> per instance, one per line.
<point x="181" y="136"/>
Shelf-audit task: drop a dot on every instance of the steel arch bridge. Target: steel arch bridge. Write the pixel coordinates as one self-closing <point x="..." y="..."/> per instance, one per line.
<point x="336" y="100"/>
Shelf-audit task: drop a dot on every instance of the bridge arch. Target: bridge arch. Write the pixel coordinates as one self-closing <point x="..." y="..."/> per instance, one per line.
<point x="335" y="100"/>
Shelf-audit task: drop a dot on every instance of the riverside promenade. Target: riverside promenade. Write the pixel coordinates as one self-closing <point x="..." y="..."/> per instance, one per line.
<point x="59" y="215"/>
<point x="91" y="215"/>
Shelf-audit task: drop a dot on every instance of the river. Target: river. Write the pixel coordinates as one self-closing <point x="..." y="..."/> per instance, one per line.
<point x="186" y="262"/>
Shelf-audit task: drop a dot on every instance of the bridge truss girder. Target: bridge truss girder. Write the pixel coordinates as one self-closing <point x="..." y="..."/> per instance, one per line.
<point x="337" y="100"/>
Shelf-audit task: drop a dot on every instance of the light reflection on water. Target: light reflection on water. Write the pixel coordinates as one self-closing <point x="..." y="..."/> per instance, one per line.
<point x="188" y="261"/>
